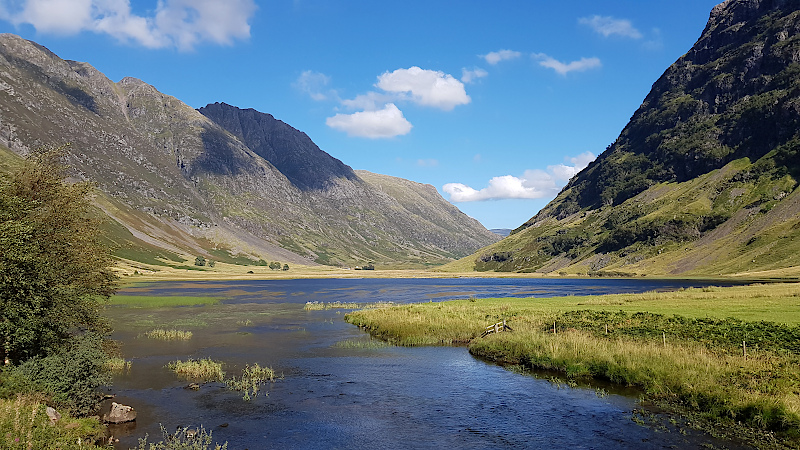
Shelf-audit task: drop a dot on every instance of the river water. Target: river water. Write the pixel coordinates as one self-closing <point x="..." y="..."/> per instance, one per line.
<point x="340" y="389"/>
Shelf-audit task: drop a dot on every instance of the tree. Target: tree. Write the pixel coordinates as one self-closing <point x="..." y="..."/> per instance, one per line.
<point x="275" y="265"/>
<point x="285" y="267"/>
<point x="200" y="261"/>
<point x="54" y="271"/>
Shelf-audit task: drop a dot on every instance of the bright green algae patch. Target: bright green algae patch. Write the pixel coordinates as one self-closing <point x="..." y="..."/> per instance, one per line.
<point x="727" y="355"/>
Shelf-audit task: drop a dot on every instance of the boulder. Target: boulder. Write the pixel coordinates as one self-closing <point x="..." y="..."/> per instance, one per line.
<point x="120" y="414"/>
<point x="52" y="414"/>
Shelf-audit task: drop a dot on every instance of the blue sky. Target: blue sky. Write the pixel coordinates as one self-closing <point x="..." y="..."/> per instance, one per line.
<point x="496" y="104"/>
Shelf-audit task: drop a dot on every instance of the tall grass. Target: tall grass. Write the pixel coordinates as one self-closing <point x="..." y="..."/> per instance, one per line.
<point x="202" y="370"/>
<point x="319" y="306"/>
<point x="24" y="425"/>
<point x="169" y="335"/>
<point x="182" y="439"/>
<point x="251" y="380"/>
<point x="118" y="365"/>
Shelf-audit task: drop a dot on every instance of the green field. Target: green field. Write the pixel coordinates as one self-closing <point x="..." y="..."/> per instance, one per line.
<point x="726" y="356"/>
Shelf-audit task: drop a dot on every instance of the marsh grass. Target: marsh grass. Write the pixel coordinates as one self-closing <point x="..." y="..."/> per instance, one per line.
<point x="118" y="365"/>
<point x="24" y="425"/>
<point x="147" y="301"/>
<point x="251" y="380"/>
<point x="202" y="370"/>
<point x="319" y="306"/>
<point x="682" y="349"/>
<point x="169" y="335"/>
<point x="182" y="439"/>
<point x="361" y="343"/>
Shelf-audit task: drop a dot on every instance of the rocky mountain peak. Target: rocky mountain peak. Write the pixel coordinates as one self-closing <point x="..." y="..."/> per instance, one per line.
<point x="289" y="150"/>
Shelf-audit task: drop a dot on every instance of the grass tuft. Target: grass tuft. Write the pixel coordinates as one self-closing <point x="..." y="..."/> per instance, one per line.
<point x="118" y="365"/>
<point x="202" y="370"/>
<point x="169" y="335"/>
<point x="252" y="378"/>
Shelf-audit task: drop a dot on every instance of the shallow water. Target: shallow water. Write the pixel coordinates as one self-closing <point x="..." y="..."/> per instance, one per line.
<point x="363" y="396"/>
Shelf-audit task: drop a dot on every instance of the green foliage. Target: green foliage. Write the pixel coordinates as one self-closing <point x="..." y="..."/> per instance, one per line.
<point x="71" y="375"/>
<point x="274" y="265"/>
<point x="198" y="369"/>
<point x="253" y="377"/>
<point x="200" y="261"/>
<point x="182" y="439"/>
<point x="54" y="271"/>
<point x="24" y="425"/>
<point x="285" y="267"/>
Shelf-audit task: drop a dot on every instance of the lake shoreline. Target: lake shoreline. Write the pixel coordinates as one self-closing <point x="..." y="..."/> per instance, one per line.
<point x="708" y="379"/>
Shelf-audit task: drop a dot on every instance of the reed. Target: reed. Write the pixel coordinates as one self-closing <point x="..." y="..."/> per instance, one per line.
<point x="319" y="306"/>
<point x="118" y="365"/>
<point x="361" y="343"/>
<point x="169" y="335"/>
<point x="201" y="370"/>
<point x="251" y="380"/>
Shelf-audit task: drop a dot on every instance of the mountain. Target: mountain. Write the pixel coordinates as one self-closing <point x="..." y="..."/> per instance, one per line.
<point x="702" y="180"/>
<point x="225" y="183"/>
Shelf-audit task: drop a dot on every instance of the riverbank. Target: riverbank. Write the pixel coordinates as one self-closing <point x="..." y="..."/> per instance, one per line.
<point x="725" y="355"/>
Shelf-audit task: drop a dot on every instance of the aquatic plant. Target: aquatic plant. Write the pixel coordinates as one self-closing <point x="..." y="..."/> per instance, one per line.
<point x="252" y="378"/>
<point x="169" y="335"/>
<point x="198" y="369"/>
<point x="118" y="365"/>
<point x="182" y="439"/>
<point x="361" y="343"/>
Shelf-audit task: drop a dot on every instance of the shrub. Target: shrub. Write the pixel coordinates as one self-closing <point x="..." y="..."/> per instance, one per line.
<point x="70" y="376"/>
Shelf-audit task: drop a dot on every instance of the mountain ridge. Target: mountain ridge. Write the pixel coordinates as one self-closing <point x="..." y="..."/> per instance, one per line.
<point x="192" y="184"/>
<point x="703" y="178"/>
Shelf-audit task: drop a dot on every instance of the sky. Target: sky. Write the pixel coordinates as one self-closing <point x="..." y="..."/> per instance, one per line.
<point x="496" y="104"/>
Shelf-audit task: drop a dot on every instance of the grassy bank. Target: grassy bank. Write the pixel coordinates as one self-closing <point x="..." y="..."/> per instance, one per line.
<point x="683" y="349"/>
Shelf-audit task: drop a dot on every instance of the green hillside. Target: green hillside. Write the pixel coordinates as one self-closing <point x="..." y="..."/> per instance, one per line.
<point x="702" y="180"/>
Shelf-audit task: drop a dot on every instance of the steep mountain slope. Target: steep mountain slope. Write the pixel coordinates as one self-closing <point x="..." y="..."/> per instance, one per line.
<point x="232" y="184"/>
<point x="703" y="178"/>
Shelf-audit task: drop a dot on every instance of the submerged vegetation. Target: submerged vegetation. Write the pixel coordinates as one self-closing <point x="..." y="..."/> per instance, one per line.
<point x="252" y="378"/>
<point x="207" y="370"/>
<point x="706" y="351"/>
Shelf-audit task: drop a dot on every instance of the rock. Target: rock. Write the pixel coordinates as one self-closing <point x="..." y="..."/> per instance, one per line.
<point x="120" y="414"/>
<point x="193" y="386"/>
<point x="53" y="414"/>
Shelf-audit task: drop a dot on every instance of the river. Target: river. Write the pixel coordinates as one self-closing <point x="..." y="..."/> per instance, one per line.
<point x="340" y="389"/>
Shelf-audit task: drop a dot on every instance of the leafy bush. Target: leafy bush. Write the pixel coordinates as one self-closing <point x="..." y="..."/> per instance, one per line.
<point x="70" y="376"/>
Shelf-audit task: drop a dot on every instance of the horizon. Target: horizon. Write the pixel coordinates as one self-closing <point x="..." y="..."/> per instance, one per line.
<point x="496" y="106"/>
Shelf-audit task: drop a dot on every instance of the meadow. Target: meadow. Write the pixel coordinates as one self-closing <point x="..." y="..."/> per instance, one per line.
<point x="721" y="355"/>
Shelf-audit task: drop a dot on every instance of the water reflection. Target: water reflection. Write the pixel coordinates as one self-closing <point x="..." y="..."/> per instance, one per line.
<point x="340" y="396"/>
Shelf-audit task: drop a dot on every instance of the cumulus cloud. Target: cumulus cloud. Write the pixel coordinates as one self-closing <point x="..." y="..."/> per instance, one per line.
<point x="532" y="184"/>
<point x="609" y="26"/>
<point x="501" y="55"/>
<point x="175" y="23"/>
<point x="425" y="87"/>
<point x="470" y="75"/>
<point x="314" y="84"/>
<point x="564" y="68"/>
<point x="383" y="123"/>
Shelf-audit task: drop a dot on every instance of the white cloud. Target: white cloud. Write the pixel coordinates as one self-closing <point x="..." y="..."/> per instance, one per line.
<point x="564" y="68"/>
<point x="314" y="84"/>
<point x="176" y="23"/>
<point x="428" y="162"/>
<point x="608" y="26"/>
<point x="425" y="87"/>
<point x="384" y="123"/>
<point x="532" y="184"/>
<point x="470" y="75"/>
<point x="501" y="55"/>
<point x="370" y="101"/>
